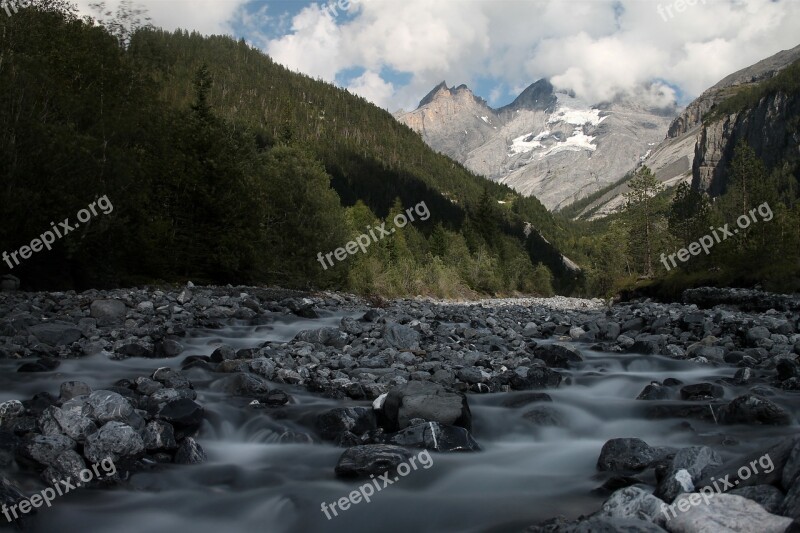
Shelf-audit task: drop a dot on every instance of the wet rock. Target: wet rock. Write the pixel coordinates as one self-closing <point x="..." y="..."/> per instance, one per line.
<point x="371" y="459"/>
<point x="159" y="435"/>
<point x="56" y="333"/>
<point x="245" y="384"/>
<point x="767" y="496"/>
<point x="764" y="467"/>
<point x="633" y="502"/>
<point x="400" y="337"/>
<point x="147" y="386"/>
<point x="114" y="440"/>
<point x="73" y="389"/>
<point x="790" y="471"/>
<point x="10" y="495"/>
<point x="724" y="512"/>
<point x="105" y="406"/>
<point x="190" y="452"/>
<point x="626" y="455"/>
<point x="71" y="422"/>
<point x="654" y="391"/>
<point x="534" y="378"/>
<point x="324" y="336"/>
<point x="223" y="353"/>
<point x="135" y="349"/>
<point x="11" y="409"/>
<point x="333" y="423"/>
<point x="108" y="312"/>
<point x="694" y="461"/>
<point x="9" y="444"/>
<point x="753" y="409"/>
<point x="171" y="379"/>
<point x="67" y="466"/>
<point x="167" y="348"/>
<point x="434" y="436"/>
<point x="182" y="412"/>
<point x="545" y="415"/>
<point x="559" y="355"/>
<point x="46" y="449"/>
<point x="426" y="400"/>
<point x="702" y="392"/>
<point x="743" y="376"/>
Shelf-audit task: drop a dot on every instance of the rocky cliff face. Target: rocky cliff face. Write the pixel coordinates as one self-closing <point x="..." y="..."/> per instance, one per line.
<point x="693" y="152"/>
<point x="772" y="129"/>
<point x="546" y="144"/>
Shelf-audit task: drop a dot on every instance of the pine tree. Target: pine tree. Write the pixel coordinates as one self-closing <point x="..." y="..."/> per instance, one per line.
<point x="643" y="212"/>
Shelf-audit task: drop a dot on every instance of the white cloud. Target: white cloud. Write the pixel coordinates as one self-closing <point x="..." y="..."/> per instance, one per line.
<point x="371" y="86"/>
<point x="204" y="16"/>
<point x="595" y="47"/>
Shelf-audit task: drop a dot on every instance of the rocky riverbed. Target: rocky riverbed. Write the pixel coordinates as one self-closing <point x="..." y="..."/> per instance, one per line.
<point x="247" y="408"/>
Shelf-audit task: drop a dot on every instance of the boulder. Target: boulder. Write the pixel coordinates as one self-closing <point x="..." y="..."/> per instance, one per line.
<point x="370" y="459"/>
<point x="626" y="455"/>
<point x="426" y="400"/>
<point x="724" y="512"/>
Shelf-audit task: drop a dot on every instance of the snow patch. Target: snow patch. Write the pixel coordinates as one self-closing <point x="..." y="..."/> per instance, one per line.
<point x="576" y="117"/>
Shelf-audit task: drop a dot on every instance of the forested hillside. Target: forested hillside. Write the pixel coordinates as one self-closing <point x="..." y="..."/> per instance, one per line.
<point x="225" y="167"/>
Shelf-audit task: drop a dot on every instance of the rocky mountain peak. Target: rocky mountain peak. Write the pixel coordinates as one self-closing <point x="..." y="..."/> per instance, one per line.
<point x="441" y="91"/>
<point x="539" y="95"/>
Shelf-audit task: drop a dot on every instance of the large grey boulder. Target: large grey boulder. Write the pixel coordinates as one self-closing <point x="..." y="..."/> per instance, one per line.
<point x="105" y="406"/>
<point x="108" y="312"/>
<point x="626" y="455"/>
<point x="694" y="461"/>
<point x="724" y="512"/>
<point x="56" y="333"/>
<point x="114" y="440"/>
<point x="426" y="400"/>
<point x="754" y="409"/>
<point x="633" y="502"/>
<point x="401" y="337"/>
<point x="46" y="449"/>
<point x="375" y="459"/>
<point x="325" y="336"/>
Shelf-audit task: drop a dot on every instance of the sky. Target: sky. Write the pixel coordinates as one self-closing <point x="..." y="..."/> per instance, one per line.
<point x="393" y="52"/>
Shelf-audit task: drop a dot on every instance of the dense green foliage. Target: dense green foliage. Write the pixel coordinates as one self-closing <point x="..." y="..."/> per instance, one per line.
<point x="763" y="250"/>
<point x="746" y="97"/>
<point x="223" y="166"/>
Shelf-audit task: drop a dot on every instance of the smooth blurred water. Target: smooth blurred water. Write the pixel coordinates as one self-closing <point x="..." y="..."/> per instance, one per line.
<point x="251" y="482"/>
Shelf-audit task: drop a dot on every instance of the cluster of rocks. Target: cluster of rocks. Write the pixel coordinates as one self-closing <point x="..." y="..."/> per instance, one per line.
<point x="657" y="489"/>
<point x="154" y="417"/>
<point x="415" y="360"/>
<point x="135" y="424"/>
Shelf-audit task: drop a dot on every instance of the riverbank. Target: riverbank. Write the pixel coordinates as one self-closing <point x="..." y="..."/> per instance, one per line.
<point x="262" y="403"/>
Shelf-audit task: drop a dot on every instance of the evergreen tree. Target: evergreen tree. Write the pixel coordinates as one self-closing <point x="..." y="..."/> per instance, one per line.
<point x="644" y="210"/>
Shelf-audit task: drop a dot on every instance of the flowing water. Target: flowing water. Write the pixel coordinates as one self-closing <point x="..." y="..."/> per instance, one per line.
<point x="252" y="482"/>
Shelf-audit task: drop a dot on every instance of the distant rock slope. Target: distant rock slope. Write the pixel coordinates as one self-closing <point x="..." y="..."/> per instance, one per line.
<point x="693" y="152"/>
<point x="548" y="144"/>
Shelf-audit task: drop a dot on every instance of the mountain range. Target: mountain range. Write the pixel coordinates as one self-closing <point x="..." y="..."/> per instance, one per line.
<point x="561" y="149"/>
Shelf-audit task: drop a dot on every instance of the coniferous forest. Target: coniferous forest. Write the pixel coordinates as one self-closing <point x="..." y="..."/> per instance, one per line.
<point x="225" y="167"/>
